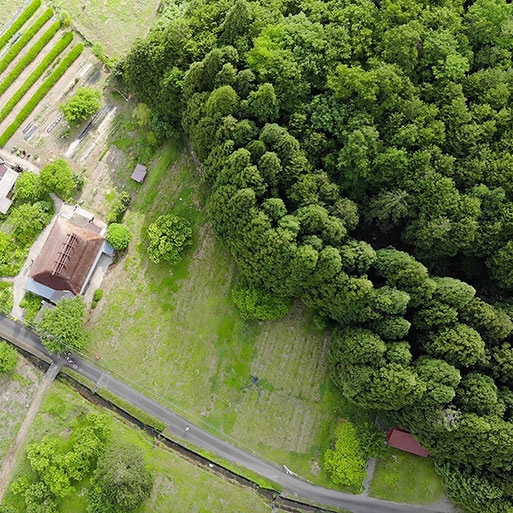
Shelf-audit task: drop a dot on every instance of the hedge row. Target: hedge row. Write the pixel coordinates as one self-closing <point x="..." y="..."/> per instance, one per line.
<point x="22" y="19"/>
<point x="29" y="57"/>
<point x="135" y="412"/>
<point x="32" y="78"/>
<point x="41" y="93"/>
<point x="24" y="39"/>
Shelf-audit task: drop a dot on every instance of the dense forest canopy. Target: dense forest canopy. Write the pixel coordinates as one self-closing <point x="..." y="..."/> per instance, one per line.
<point x="360" y="156"/>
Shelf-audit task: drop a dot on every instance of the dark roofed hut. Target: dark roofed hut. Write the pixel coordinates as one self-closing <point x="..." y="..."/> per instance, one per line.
<point x="68" y="257"/>
<point x="139" y="173"/>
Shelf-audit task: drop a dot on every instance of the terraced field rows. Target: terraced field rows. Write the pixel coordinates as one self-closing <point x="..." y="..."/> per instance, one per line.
<point x="30" y="67"/>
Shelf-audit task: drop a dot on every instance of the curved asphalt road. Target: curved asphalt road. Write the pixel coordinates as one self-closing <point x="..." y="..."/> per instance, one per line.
<point x="293" y="486"/>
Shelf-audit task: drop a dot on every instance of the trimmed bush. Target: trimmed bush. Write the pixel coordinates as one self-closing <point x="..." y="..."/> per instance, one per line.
<point x="118" y="236"/>
<point x="22" y="19"/>
<point x="34" y="51"/>
<point x="24" y="39"/>
<point x="98" y="294"/>
<point x="41" y="93"/>
<point x="33" y="77"/>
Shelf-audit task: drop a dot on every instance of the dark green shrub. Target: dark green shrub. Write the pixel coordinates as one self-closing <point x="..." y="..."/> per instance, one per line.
<point x="6" y="297"/>
<point x="118" y="207"/>
<point x="8" y="357"/>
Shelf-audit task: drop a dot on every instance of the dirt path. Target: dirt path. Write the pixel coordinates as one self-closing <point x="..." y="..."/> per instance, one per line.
<point x="12" y="159"/>
<point x="10" y="460"/>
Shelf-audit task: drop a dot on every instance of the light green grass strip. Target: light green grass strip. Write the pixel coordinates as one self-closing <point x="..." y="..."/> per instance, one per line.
<point x="22" y="19"/>
<point x="140" y="415"/>
<point x="41" y="93"/>
<point x="32" y="78"/>
<point x="24" y="39"/>
<point x="34" y="51"/>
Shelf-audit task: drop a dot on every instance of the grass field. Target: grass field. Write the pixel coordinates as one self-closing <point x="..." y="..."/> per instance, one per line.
<point x="16" y="390"/>
<point x="179" y="484"/>
<point x="404" y="477"/>
<point x="8" y="9"/>
<point x="116" y="23"/>
<point x="174" y="330"/>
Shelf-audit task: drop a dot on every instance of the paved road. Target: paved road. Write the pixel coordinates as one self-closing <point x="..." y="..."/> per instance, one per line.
<point x="293" y="486"/>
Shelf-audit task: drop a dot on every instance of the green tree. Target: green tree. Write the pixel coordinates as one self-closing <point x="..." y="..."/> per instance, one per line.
<point x="28" y="187"/>
<point x="492" y="322"/>
<point x="262" y="104"/>
<point x="121" y="481"/>
<point x="83" y="104"/>
<point x="61" y="328"/>
<point x="169" y="237"/>
<point x="460" y="345"/>
<point x="118" y="236"/>
<point x="26" y="221"/>
<point x="478" y="393"/>
<point x="223" y="101"/>
<point x="57" y="177"/>
<point x="8" y="357"/>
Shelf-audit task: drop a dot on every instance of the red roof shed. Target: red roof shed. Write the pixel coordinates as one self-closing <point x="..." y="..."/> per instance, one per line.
<point x="405" y="441"/>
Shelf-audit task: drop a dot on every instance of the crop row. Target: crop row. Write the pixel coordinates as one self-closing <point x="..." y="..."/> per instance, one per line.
<point x="32" y="78"/>
<point x="22" y="19"/>
<point x="24" y="39"/>
<point x="29" y="57"/>
<point x="41" y="93"/>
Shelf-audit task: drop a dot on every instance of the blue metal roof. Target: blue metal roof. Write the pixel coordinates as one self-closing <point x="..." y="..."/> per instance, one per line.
<point x="39" y="289"/>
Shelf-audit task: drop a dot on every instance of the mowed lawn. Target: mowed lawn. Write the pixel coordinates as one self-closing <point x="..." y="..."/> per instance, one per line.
<point x="404" y="477"/>
<point x="116" y="23"/>
<point x="16" y="391"/>
<point x="179" y="485"/>
<point x="175" y="331"/>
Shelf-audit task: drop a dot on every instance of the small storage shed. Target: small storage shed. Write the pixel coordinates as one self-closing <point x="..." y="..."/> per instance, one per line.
<point x="405" y="441"/>
<point x="139" y="173"/>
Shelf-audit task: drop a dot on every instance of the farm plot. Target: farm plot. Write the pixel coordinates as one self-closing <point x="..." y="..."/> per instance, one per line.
<point x="36" y="57"/>
<point x="174" y="329"/>
<point x="179" y="484"/>
<point x="16" y="390"/>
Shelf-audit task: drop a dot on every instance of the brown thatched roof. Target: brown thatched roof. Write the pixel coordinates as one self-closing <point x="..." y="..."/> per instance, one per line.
<point x="67" y="257"/>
